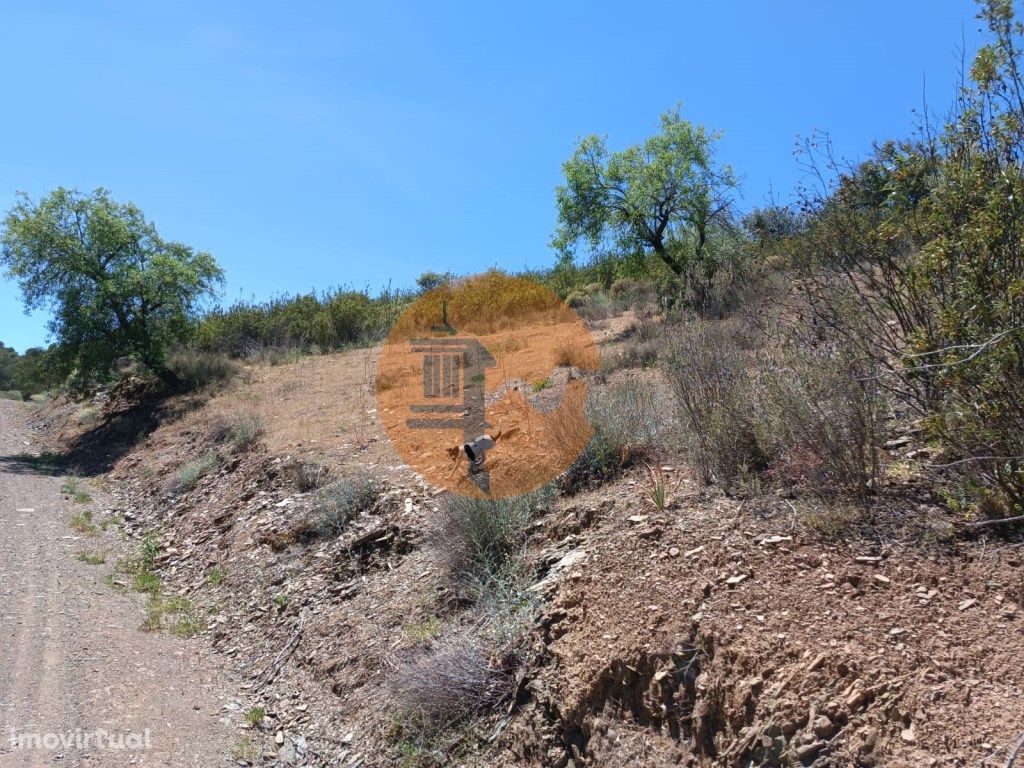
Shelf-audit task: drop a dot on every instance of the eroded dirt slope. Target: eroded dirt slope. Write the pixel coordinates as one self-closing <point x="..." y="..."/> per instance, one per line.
<point x="718" y="632"/>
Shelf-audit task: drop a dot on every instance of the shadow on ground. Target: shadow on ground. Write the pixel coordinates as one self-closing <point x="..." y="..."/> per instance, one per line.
<point x="97" y="450"/>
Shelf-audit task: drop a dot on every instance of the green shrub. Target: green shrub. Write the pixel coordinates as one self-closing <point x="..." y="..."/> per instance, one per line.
<point x="923" y="238"/>
<point x="193" y="471"/>
<point x="627" y="418"/>
<point x="278" y="329"/>
<point x="476" y="538"/>
<point x="198" y="369"/>
<point x="717" y="403"/>
<point x="594" y="307"/>
<point x="818" y="417"/>
<point x="338" y="504"/>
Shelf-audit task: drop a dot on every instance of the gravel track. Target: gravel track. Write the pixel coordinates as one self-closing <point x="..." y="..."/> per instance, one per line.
<point x="72" y="656"/>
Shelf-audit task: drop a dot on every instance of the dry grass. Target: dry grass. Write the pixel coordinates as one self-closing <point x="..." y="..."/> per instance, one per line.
<point x="717" y="403"/>
<point x="627" y="420"/>
<point x="804" y="417"/>
<point x="200" y="369"/>
<point x="308" y="474"/>
<point x="475" y="538"/>
<point x="567" y="356"/>
<point x="819" y="420"/>
<point x="337" y="505"/>
<point x="241" y="431"/>
<point x="448" y="685"/>
<point x="484" y="304"/>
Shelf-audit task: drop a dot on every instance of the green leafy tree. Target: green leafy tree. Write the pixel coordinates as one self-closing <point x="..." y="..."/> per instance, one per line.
<point x="116" y="288"/>
<point x="33" y="373"/>
<point x="916" y="258"/>
<point x="8" y="367"/>
<point x="666" y="196"/>
<point x="428" y="281"/>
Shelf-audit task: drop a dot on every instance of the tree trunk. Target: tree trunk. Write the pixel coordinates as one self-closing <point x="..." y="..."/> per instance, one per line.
<point x="659" y="248"/>
<point x="170" y="379"/>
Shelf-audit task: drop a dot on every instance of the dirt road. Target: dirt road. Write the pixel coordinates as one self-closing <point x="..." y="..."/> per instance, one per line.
<point x="73" y="661"/>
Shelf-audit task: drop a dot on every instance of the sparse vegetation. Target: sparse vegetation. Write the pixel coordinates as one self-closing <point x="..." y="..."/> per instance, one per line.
<point x="661" y="489"/>
<point x="476" y="538"/>
<point x="254" y="717"/>
<point x="197" y="369"/>
<point x="627" y="420"/>
<point x="216" y="576"/>
<point x="819" y="417"/>
<point x="91" y="557"/>
<point x="717" y="403"/>
<point x="308" y="474"/>
<point x="240" y="431"/>
<point x="187" y="623"/>
<point x="803" y="418"/>
<point x="140" y="567"/>
<point x="147" y="582"/>
<point x="88" y="415"/>
<point x="447" y="686"/>
<point x="245" y="750"/>
<point x="192" y="472"/>
<point x="84" y="524"/>
<point x="643" y="354"/>
<point x="423" y="631"/>
<point x="74" y="489"/>
<point x="337" y="504"/>
<point x="111" y="520"/>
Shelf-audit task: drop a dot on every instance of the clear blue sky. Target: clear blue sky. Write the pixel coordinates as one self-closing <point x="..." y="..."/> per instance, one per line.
<point x="309" y="145"/>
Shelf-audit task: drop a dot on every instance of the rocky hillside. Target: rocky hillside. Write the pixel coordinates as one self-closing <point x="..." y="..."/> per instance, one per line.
<point x="691" y="628"/>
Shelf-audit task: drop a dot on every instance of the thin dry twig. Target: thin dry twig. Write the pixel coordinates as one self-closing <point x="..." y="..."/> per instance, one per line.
<point x="997" y="521"/>
<point x="1012" y="758"/>
<point x="274" y="668"/>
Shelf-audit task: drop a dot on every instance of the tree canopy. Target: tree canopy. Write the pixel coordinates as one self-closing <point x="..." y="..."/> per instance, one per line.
<point x="25" y="373"/>
<point x="665" y="195"/>
<point x="115" y="287"/>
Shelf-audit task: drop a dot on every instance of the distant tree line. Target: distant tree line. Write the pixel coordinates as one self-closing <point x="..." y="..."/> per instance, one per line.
<point x="26" y="374"/>
<point x="914" y="259"/>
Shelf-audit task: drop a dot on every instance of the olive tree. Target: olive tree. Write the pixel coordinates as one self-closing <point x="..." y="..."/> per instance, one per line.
<point x="666" y="196"/>
<point x="115" y="287"/>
